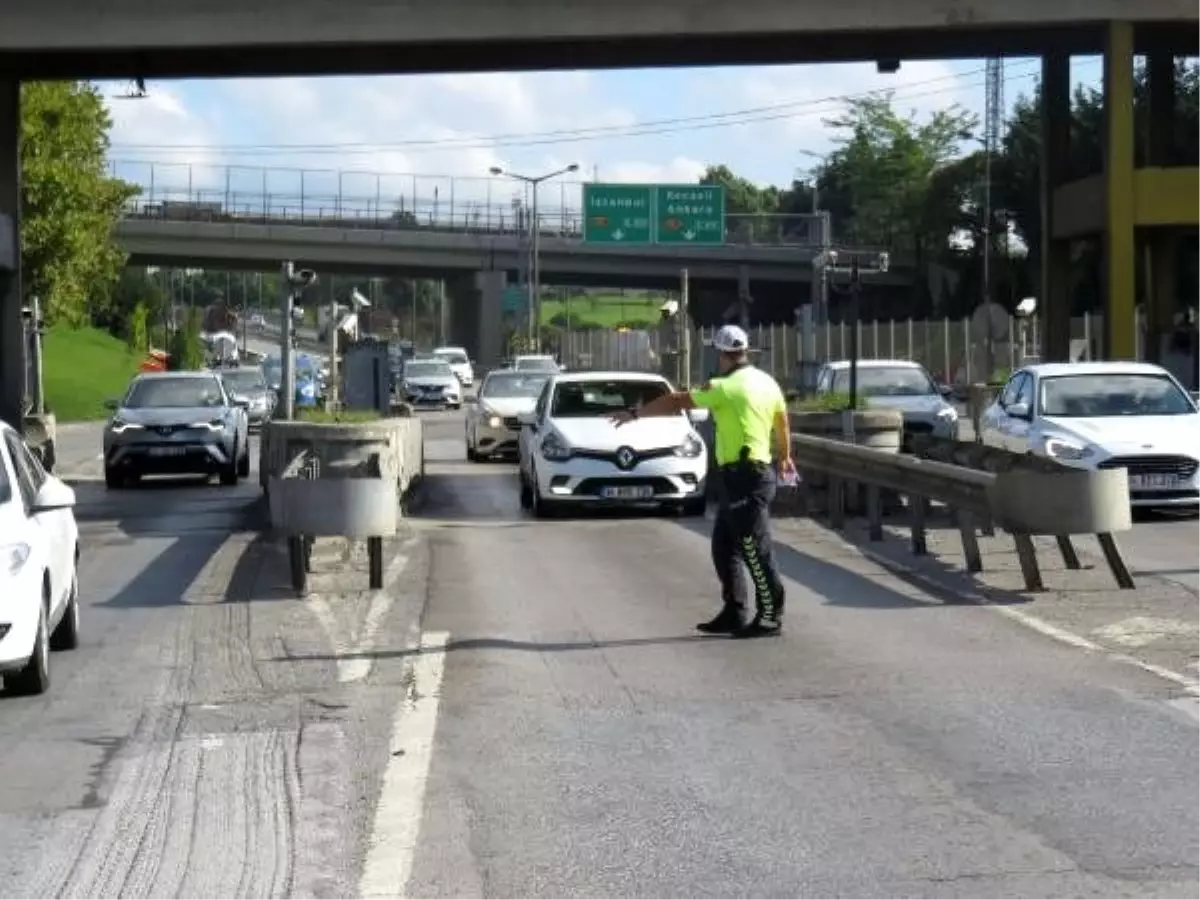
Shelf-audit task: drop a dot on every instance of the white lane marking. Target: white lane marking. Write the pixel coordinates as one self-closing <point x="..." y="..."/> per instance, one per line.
<point x="354" y="663"/>
<point x="1190" y="685"/>
<point x="1142" y="630"/>
<point x="393" y="841"/>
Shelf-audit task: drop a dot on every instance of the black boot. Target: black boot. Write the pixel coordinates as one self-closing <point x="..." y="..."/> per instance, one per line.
<point x="727" y="621"/>
<point x="759" y="626"/>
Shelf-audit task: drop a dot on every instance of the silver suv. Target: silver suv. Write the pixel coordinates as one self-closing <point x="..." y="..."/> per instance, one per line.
<point x="176" y="423"/>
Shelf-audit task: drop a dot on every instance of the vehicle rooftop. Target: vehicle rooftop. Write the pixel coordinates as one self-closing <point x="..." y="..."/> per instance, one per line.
<point x="159" y="376"/>
<point x="601" y="375"/>
<point x="876" y="363"/>
<point x="1045" y="370"/>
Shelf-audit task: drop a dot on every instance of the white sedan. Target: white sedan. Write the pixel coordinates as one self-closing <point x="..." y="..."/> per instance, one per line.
<point x="1104" y="415"/>
<point x="39" y="550"/>
<point x="570" y="454"/>
<point x="492" y="417"/>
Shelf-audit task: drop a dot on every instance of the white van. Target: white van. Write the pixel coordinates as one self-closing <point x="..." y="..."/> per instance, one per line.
<point x="460" y="363"/>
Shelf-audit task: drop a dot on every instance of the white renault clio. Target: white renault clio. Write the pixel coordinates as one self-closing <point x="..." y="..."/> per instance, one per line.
<point x="39" y="551"/>
<point x="572" y="455"/>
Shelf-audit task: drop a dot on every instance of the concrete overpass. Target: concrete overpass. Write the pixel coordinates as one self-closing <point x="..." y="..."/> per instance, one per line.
<point x="477" y="267"/>
<point x="182" y="38"/>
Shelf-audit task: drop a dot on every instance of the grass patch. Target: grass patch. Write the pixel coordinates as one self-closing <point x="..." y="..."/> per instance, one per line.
<point x="342" y="417"/>
<point x="604" y="311"/>
<point x="83" y="367"/>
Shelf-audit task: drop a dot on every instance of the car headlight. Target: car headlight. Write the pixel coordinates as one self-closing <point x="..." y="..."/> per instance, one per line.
<point x="13" y="556"/>
<point x="691" y="447"/>
<point x="213" y="425"/>
<point x="554" y="449"/>
<point x="494" y="421"/>
<point x="1059" y="448"/>
<point x="948" y="413"/>
<point x="120" y="425"/>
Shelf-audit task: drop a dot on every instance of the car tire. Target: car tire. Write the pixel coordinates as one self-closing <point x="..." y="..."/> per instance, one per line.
<point x="229" y="474"/>
<point x="66" y="635"/>
<point x="694" y="508"/>
<point x="526" y="495"/>
<point x="113" y="480"/>
<point x="34" y="678"/>
<point x="243" y="468"/>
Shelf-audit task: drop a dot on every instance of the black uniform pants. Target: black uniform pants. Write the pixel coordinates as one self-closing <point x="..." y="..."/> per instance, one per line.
<point x="742" y="535"/>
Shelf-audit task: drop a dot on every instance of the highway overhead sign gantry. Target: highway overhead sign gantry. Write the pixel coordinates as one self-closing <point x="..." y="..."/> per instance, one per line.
<point x="653" y="214"/>
<point x="617" y="213"/>
<point x="689" y="214"/>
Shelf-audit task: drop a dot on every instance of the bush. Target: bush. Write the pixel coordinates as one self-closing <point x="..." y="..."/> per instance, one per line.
<point x="826" y="403"/>
<point x="137" y="330"/>
<point x="187" y="353"/>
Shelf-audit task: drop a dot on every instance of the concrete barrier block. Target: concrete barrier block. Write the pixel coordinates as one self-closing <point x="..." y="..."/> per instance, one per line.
<point x="1062" y="502"/>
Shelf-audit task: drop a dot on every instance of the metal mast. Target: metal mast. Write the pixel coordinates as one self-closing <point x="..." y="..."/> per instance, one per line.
<point x="993" y="123"/>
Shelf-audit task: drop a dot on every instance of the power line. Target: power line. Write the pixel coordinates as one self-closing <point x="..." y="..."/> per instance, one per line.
<point x="746" y="116"/>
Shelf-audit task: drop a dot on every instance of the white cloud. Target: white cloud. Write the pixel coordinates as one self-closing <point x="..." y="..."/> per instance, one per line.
<point x="679" y="170"/>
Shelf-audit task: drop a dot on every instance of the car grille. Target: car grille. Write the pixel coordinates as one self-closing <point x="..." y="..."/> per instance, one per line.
<point x="592" y="487"/>
<point x="1179" y="466"/>
<point x="639" y="456"/>
<point x="512" y="422"/>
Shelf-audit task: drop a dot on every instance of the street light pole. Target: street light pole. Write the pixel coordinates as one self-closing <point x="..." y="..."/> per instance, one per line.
<point x="535" y="300"/>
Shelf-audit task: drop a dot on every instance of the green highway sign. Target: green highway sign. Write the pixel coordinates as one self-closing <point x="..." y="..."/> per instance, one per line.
<point x="617" y="213"/>
<point x="653" y="214"/>
<point x="689" y="214"/>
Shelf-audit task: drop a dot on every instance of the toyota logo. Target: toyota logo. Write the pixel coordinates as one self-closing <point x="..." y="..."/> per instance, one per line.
<point x="625" y="457"/>
<point x="166" y="429"/>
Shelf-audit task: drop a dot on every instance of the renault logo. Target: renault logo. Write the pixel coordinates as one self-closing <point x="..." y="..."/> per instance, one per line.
<point x="625" y="457"/>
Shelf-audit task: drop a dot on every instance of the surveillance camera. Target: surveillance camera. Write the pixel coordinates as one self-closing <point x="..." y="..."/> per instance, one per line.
<point x="832" y="257"/>
<point x="885" y="260"/>
<point x="1027" y="307"/>
<point x="358" y="299"/>
<point x="669" y="308"/>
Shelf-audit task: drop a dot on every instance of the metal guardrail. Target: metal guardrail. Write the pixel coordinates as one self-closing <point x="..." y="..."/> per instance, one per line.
<point x="1024" y="497"/>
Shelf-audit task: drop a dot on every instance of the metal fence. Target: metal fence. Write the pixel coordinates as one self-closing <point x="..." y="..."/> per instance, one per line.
<point x="373" y="200"/>
<point x="945" y="347"/>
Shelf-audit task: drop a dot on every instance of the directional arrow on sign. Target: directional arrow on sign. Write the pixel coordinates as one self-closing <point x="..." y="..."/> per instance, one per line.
<point x="618" y="234"/>
<point x="689" y="235"/>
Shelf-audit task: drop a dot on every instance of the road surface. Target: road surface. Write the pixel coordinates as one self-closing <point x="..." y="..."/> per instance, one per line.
<point x="564" y="732"/>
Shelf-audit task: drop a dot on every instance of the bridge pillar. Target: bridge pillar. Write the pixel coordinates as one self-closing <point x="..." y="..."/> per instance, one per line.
<point x="12" y="341"/>
<point x="1055" y="299"/>
<point x="474" y="315"/>
<point x="1120" y="319"/>
<point x="1161" y="244"/>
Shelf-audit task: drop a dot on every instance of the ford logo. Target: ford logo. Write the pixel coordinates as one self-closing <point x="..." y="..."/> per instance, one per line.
<point x="625" y="457"/>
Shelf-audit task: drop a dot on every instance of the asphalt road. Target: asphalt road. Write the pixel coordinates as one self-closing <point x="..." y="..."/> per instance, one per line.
<point x="214" y="736"/>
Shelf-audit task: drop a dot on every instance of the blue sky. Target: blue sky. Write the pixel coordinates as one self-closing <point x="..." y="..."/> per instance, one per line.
<point x="447" y="130"/>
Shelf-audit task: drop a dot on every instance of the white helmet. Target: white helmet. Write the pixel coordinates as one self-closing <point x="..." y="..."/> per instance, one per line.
<point x="731" y="339"/>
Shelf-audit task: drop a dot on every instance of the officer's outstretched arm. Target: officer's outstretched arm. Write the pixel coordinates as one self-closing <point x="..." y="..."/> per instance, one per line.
<point x="669" y="404"/>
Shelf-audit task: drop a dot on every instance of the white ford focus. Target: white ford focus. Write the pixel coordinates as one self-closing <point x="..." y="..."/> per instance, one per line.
<point x="572" y="455"/>
<point x="39" y="549"/>
<point x="1104" y="415"/>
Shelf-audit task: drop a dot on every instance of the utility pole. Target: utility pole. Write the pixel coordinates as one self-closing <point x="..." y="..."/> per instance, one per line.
<point x="685" y="332"/>
<point x="993" y="125"/>
<point x="287" y="379"/>
<point x="331" y="392"/>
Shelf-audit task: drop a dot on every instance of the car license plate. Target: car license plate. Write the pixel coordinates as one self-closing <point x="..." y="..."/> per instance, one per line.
<point x="168" y="451"/>
<point x="627" y="492"/>
<point x="1154" y="482"/>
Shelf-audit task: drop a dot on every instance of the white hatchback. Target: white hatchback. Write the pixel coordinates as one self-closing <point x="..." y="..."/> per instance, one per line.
<point x="460" y="364"/>
<point x="39" y="552"/>
<point x="572" y="455"/>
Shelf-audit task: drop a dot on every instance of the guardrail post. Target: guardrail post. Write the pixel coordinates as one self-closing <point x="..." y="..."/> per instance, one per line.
<point x="874" y="512"/>
<point x="916" y="506"/>
<point x="837" y="502"/>
<point x="1067" y="549"/>
<point x="970" y="543"/>
<point x="1116" y="563"/>
<point x="1027" y="557"/>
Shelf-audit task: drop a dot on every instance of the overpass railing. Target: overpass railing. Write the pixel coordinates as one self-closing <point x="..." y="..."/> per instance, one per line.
<point x="181" y="192"/>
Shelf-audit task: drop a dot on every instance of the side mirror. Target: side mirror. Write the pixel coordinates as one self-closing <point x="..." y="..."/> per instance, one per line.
<point x="112" y="404"/>
<point x="1018" y="410"/>
<point x="696" y="416"/>
<point x="527" y="420"/>
<point x="53" y="495"/>
<point x="945" y="390"/>
<point x="243" y="402"/>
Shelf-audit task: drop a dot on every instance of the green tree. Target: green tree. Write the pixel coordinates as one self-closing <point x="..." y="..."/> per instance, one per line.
<point x="69" y="203"/>
<point x="185" y="348"/>
<point x="137" y="330"/>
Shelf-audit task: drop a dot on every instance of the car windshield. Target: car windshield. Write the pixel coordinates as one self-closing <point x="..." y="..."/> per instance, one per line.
<point x="885" y="381"/>
<point x="428" y="369"/>
<point x="1109" y="395"/>
<point x="581" y="399"/>
<point x="513" y="385"/>
<point x="245" y="381"/>
<point x="453" y="357"/>
<point x="536" y="364"/>
<point x="160" y="393"/>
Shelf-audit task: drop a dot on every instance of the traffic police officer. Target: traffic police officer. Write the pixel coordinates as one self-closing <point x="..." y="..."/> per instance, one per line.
<point x="749" y="414"/>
